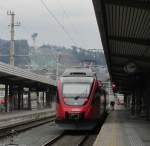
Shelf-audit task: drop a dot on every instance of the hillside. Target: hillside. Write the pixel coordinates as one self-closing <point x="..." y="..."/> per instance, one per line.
<point x="43" y="60"/>
<point x="21" y="52"/>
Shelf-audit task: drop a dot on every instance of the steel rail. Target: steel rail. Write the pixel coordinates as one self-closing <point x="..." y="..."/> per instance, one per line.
<point x="83" y="140"/>
<point x="25" y="126"/>
<point x="54" y="140"/>
<point x="57" y="138"/>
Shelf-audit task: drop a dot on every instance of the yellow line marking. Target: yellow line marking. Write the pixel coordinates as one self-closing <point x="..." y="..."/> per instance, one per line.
<point x="114" y="135"/>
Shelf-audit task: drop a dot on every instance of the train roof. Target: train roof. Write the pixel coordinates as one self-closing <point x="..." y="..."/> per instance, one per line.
<point x="87" y="72"/>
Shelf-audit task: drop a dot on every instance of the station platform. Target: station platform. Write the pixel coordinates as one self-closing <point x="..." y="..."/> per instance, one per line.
<point x="120" y="129"/>
<point x="16" y="117"/>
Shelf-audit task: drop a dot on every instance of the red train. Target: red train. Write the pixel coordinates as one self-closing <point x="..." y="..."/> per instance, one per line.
<point x="81" y="101"/>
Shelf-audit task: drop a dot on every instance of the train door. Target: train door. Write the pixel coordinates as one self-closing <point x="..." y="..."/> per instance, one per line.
<point x="96" y="103"/>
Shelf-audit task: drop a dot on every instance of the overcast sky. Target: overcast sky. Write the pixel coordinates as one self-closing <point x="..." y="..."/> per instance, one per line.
<point x="76" y="16"/>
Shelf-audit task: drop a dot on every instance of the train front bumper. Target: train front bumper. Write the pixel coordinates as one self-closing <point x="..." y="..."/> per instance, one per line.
<point x="76" y="124"/>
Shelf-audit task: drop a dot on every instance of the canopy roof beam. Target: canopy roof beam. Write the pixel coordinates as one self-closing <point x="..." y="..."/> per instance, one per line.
<point x="129" y="3"/>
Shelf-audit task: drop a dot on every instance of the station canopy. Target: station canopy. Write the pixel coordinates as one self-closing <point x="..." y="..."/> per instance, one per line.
<point x="125" y="32"/>
<point x="16" y="76"/>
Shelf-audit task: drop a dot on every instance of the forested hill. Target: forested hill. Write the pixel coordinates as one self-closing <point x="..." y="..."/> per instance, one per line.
<point x="72" y="55"/>
<point x="45" y="56"/>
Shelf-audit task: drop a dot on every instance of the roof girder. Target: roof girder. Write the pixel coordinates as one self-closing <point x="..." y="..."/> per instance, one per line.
<point x="129" y="3"/>
<point x="139" y="41"/>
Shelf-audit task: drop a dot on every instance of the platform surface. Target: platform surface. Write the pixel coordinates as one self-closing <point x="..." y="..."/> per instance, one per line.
<point x="16" y="117"/>
<point x="120" y="129"/>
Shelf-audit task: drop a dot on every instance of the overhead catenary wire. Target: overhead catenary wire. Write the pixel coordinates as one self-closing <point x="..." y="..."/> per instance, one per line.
<point x="71" y="23"/>
<point x="58" y="22"/>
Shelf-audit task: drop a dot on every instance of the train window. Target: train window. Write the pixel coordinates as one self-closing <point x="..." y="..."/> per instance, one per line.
<point x="76" y="89"/>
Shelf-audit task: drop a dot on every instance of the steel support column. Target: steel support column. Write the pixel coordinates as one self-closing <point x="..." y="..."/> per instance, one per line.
<point x="20" y="98"/>
<point x="11" y="97"/>
<point x="133" y="104"/>
<point x="48" y="101"/>
<point x="38" y="100"/>
<point x="29" y="99"/>
<point x="6" y="98"/>
<point x="139" y="101"/>
<point x="43" y="98"/>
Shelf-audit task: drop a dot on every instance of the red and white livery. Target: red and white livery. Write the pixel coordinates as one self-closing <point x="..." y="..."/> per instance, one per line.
<point x="81" y="101"/>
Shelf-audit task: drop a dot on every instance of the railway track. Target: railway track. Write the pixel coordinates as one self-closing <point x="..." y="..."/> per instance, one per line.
<point x="80" y="142"/>
<point x="54" y="140"/>
<point x="83" y="140"/>
<point x="76" y="138"/>
<point x="20" y="127"/>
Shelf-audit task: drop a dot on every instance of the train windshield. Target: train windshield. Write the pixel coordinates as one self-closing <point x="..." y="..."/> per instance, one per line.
<point x="76" y="89"/>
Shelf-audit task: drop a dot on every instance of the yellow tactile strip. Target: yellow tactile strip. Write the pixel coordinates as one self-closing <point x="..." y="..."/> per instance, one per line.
<point x="112" y="133"/>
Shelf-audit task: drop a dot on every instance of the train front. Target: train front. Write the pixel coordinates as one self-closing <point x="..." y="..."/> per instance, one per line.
<point x="74" y="109"/>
